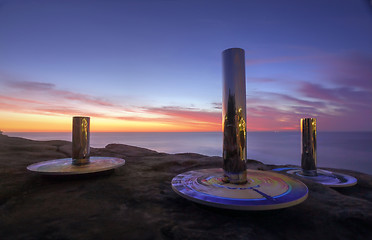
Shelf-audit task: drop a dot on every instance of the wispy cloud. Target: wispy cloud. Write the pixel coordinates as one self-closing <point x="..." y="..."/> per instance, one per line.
<point x="47" y="99"/>
<point x="341" y="99"/>
<point x="261" y="80"/>
<point x="29" y="85"/>
<point x="8" y="98"/>
<point x="51" y="90"/>
<point x="217" y="105"/>
<point x="351" y="70"/>
<point x="280" y="59"/>
<point x="340" y="95"/>
<point x="190" y="114"/>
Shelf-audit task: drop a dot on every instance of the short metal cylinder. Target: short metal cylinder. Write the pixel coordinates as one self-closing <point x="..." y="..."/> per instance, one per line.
<point x="308" y="146"/>
<point x="80" y="140"/>
<point x="234" y="116"/>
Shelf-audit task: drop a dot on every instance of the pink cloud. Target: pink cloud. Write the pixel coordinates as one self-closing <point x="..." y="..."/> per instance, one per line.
<point x="189" y="114"/>
<point x="263" y="118"/>
<point x="340" y="95"/>
<point x="7" y="98"/>
<point x="47" y="99"/>
<point x="297" y="101"/>
<point x="9" y="107"/>
<point x="352" y="70"/>
<point x="50" y="89"/>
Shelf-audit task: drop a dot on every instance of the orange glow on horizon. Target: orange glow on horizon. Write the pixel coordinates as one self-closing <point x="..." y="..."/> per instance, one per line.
<point x="17" y="122"/>
<point x="21" y="122"/>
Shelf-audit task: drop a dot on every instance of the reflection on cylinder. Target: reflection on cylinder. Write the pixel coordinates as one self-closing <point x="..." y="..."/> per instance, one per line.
<point x="234" y="116"/>
<point x="80" y="140"/>
<point x="308" y="146"/>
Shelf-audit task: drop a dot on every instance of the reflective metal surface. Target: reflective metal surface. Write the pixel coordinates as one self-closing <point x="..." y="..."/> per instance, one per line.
<point x="234" y="116"/>
<point x="81" y="162"/>
<point x="80" y="140"/>
<point x="328" y="178"/>
<point x="235" y="187"/>
<point x="308" y="146"/>
<point x="264" y="190"/>
<point x="308" y="161"/>
<point x="65" y="167"/>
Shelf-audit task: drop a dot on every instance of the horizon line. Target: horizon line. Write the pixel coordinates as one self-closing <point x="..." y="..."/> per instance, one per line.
<point x="277" y="131"/>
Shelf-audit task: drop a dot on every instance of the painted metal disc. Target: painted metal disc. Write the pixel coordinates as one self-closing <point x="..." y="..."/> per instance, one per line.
<point x="264" y="190"/>
<point x="65" y="167"/>
<point x="328" y="178"/>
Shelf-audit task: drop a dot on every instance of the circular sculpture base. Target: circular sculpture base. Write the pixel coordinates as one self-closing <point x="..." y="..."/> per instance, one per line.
<point x="65" y="167"/>
<point x="264" y="190"/>
<point x="328" y="178"/>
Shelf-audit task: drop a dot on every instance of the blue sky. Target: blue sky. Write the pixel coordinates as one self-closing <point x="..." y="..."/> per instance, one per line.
<point x="160" y="61"/>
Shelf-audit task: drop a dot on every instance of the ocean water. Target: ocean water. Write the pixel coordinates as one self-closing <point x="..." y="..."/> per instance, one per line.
<point x="346" y="150"/>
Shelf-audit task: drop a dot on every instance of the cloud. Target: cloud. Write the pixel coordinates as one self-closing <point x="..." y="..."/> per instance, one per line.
<point x="264" y="118"/>
<point x="50" y="90"/>
<point x="281" y="100"/>
<point x="30" y="86"/>
<point x="338" y="95"/>
<point x="352" y="70"/>
<point x="8" y="106"/>
<point x="188" y="114"/>
<point x="302" y="102"/>
<point x="280" y="59"/>
<point x="46" y="99"/>
<point x="339" y="108"/>
<point x="7" y="98"/>
<point x="260" y="80"/>
<point x="217" y="105"/>
<point x="340" y="99"/>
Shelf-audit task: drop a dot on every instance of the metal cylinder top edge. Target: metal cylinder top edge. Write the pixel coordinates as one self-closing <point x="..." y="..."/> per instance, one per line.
<point x="80" y="140"/>
<point x="308" y="146"/>
<point x="234" y="116"/>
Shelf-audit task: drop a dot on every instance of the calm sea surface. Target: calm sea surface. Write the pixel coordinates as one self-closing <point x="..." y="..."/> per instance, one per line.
<point x="348" y="150"/>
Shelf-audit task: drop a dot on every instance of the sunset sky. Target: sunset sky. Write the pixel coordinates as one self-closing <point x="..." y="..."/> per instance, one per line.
<point x="156" y="65"/>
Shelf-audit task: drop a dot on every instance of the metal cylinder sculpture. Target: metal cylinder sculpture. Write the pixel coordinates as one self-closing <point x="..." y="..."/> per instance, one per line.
<point x="81" y="161"/>
<point x="308" y="168"/>
<point x="234" y="116"/>
<point x="235" y="186"/>
<point x="308" y="146"/>
<point x="80" y="140"/>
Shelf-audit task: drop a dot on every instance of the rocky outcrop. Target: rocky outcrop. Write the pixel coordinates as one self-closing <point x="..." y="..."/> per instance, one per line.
<point x="137" y="202"/>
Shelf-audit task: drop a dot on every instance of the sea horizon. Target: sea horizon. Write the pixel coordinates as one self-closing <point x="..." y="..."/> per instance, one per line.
<point x="345" y="150"/>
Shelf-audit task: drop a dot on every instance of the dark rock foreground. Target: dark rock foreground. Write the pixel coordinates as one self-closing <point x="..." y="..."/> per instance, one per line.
<point x="136" y="201"/>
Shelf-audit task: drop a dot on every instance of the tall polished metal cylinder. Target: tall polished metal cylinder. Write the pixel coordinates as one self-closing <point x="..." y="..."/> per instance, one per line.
<point x="234" y="116"/>
<point x="308" y="146"/>
<point x="80" y="140"/>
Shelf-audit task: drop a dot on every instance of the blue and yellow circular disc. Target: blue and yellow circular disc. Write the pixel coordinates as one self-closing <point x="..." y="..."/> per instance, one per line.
<point x="65" y="167"/>
<point x="264" y="190"/>
<point x="327" y="178"/>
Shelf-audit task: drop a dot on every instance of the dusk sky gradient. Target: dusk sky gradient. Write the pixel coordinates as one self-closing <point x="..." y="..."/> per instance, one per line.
<point x="157" y="65"/>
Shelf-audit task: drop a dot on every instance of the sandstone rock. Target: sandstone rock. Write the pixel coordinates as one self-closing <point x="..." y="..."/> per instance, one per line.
<point x="136" y="201"/>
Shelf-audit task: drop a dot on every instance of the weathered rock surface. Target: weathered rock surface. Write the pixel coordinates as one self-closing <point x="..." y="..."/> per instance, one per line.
<point x="137" y="202"/>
